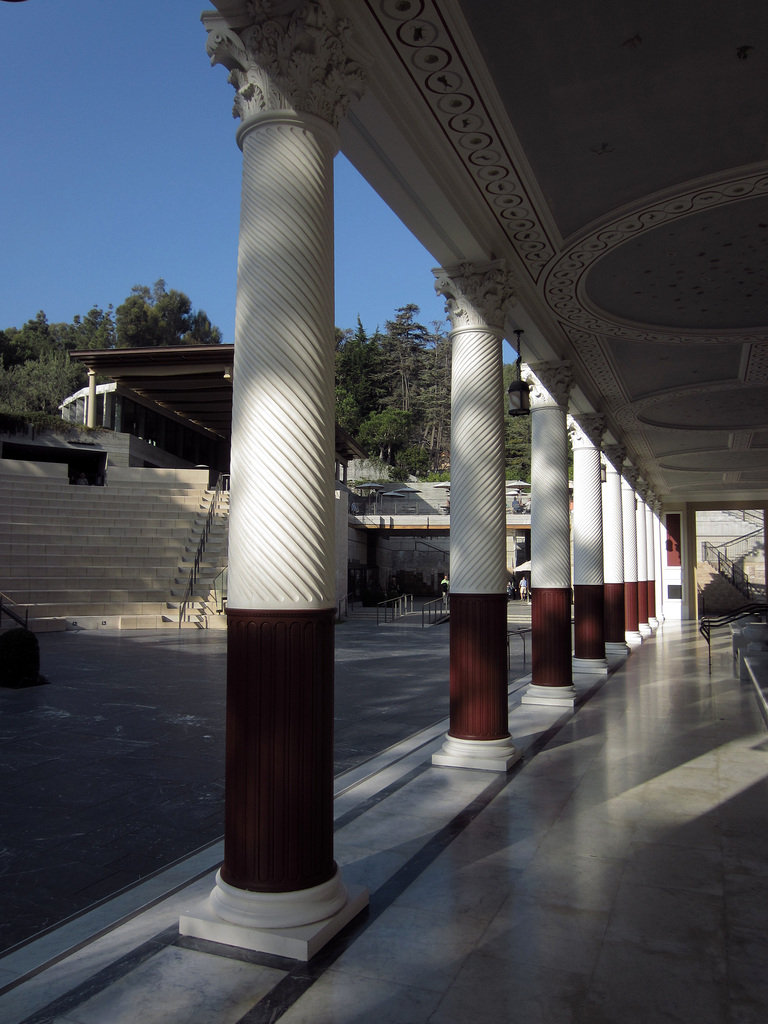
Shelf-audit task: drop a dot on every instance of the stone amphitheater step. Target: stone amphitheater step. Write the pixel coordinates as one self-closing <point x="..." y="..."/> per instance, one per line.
<point x="95" y="557"/>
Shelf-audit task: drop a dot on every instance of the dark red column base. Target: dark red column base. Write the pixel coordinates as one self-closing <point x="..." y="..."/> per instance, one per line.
<point x="551" y="663"/>
<point x="478" y="676"/>
<point x="651" y="599"/>
<point x="279" y="750"/>
<point x="614" y="613"/>
<point x="589" y="621"/>
<point x="630" y="606"/>
<point x="642" y="601"/>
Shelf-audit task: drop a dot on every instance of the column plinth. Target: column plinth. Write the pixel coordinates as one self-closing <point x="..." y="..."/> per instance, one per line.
<point x="478" y="736"/>
<point x="551" y="648"/>
<point x="589" y="619"/>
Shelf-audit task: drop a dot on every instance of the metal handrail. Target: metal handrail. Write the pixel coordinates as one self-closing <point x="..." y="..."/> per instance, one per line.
<point x="11" y="613"/>
<point x="521" y="633"/>
<point x="348" y="603"/>
<point x="195" y="570"/>
<point x="435" y="611"/>
<point x="220" y="587"/>
<point x="738" y="577"/>
<point x="708" y="624"/>
<point x="399" y="605"/>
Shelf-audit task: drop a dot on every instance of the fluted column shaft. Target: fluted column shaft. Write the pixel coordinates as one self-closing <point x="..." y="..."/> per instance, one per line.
<point x="550" y="537"/>
<point x="659" y="559"/>
<point x="629" y="521"/>
<point x="478" y="537"/>
<point x="293" y="78"/>
<point x="588" y="594"/>
<point x="642" y="568"/>
<point x="650" y="550"/>
<point x="613" y="561"/>
<point x="476" y="300"/>
<point x="281" y="549"/>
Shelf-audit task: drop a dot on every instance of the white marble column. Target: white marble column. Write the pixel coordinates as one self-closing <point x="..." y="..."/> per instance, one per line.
<point x="650" y="550"/>
<point x="629" y="518"/>
<point x="642" y="561"/>
<point x="588" y="582"/>
<point x="279" y="889"/>
<point x="477" y="298"/>
<point x="91" y="417"/>
<point x="613" y="555"/>
<point x="659" y="535"/>
<point x="551" y="666"/>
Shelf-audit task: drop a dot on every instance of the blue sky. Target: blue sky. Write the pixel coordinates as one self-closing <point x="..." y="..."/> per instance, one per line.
<point x="120" y="166"/>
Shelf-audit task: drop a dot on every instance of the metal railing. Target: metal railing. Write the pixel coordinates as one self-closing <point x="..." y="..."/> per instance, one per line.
<point x="435" y="611"/>
<point x="347" y="604"/>
<point x="739" y="579"/>
<point x="220" y="589"/>
<point x="5" y="603"/>
<point x="398" y="606"/>
<point x="708" y="624"/>
<point x="734" y="547"/>
<point x="222" y="484"/>
<point x="521" y="634"/>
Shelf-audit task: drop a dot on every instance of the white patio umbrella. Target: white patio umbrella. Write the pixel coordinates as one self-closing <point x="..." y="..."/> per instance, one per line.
<point x="523" y="567"/>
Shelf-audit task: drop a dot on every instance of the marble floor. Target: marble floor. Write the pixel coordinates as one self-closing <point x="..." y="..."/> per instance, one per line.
<point x="618" y="874"/>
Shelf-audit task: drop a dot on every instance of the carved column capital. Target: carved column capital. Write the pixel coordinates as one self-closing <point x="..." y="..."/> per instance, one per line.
<point x="615" y="454"/>
<point x="295" y="61"/>
<point x="551" y="383"/>
<point x="476" y="296"/>
<point x="631" y="474"/>
<point x="587" y="430"/>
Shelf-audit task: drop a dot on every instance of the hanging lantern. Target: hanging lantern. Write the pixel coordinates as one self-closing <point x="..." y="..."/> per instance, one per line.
<point x="518" y="392"/>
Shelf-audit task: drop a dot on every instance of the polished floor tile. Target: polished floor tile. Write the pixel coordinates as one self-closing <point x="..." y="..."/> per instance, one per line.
<point x="618" y="875"/>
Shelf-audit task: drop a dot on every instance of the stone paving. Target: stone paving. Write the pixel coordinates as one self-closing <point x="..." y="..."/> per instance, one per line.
<point x="114" y="769"/>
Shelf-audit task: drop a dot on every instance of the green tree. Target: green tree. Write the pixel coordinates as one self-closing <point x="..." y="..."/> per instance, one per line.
<point x="383" y="433"/>
<point x="358" y="382"/>
<point x="40" y="385"/>
<point x="157" y="317"/>
<point x="402" y="348"/>
<point x="27" y="342"/>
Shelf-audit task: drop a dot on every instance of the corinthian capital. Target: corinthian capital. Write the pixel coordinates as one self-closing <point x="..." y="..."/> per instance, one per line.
<point x="615" y="454"/>
<point x="475" y="296"/>
<point x="286" y="58"/>
<point x="588" y="428"/>
<point x="551" y="383"/>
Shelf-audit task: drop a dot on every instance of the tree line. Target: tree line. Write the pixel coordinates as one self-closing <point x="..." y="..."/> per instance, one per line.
<point x="36" y="373"/>
<point x="393" y="395"/>
<point x="393" y="387"/>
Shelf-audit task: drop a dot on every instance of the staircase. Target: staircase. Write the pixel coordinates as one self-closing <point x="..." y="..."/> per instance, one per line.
<point x="716" y="595"/>
<point x="96" y="557"/>
<point x="201" y="610"/>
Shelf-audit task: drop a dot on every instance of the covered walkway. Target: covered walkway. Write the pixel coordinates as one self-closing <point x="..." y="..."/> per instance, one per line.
<point x="618" y="873"/>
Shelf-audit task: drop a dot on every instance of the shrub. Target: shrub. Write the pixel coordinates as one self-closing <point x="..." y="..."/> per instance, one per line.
<point x="19" y="659"/>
